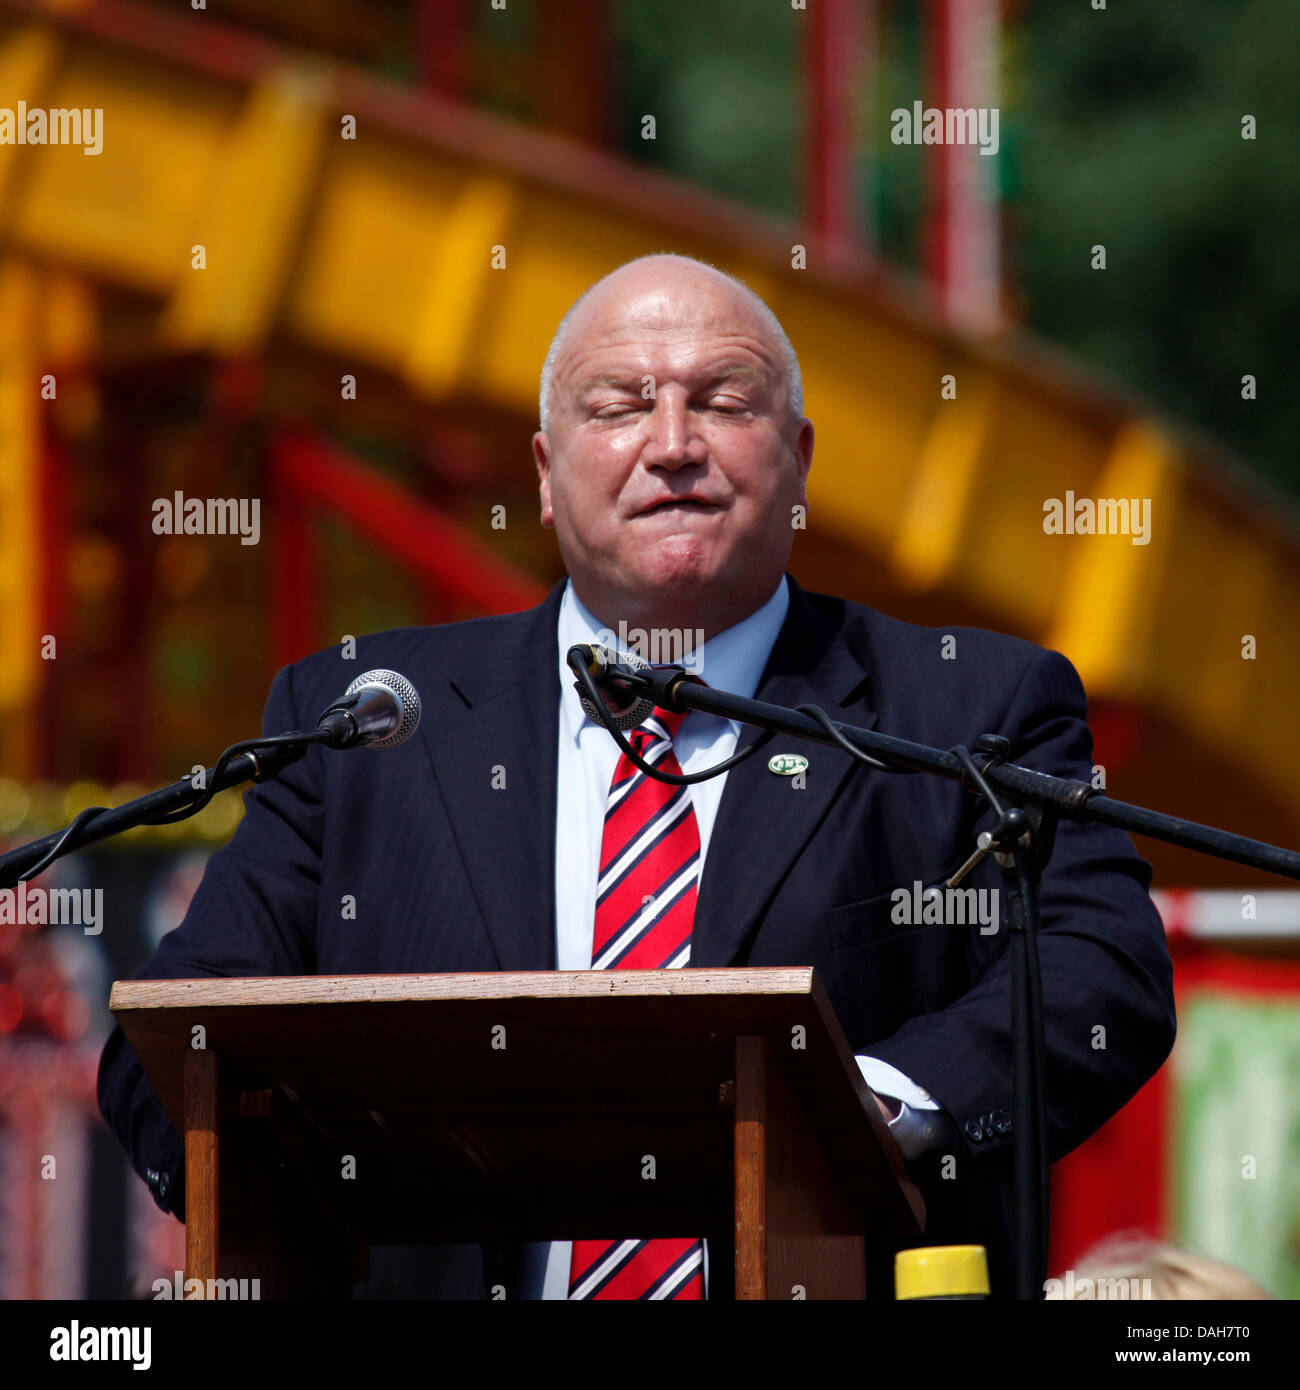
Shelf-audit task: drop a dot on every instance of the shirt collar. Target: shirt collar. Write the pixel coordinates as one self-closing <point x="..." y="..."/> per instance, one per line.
<point x="731" y="660"/>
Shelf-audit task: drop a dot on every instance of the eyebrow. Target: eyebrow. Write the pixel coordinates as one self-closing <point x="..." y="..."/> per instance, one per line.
<point x="738" y="369"/>
<point x="630" y="382"/>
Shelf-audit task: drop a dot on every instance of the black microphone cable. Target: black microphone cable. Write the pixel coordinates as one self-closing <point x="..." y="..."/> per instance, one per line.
<point x="674" y="779"/>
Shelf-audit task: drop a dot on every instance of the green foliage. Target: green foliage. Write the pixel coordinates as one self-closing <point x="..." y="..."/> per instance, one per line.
<point x="1130" y="123"/>
<point x="720" y="78"/>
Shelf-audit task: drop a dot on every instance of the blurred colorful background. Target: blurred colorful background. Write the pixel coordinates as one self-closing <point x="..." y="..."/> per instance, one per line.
<point x="397" y="201"/>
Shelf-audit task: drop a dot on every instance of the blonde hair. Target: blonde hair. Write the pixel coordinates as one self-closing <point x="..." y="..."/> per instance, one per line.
<point x="1162" y="1271"/>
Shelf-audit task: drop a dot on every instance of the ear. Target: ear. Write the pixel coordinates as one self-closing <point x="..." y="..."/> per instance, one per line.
<point x="542" y="458"/>
<point x="803" y="448"/>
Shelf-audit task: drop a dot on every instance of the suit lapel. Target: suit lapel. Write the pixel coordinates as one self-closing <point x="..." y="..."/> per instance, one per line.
<point x="501" y="710"/>
<point x="502" y="714"/>
<point x="763" y="822"/>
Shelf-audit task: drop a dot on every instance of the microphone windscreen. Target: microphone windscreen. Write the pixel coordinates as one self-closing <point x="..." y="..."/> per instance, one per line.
<point x="407" y="698"/>
<point x="625" y="716"/>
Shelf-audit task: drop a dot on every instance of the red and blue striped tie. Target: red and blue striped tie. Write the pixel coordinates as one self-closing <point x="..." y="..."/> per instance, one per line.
<point x="645" y="909"/>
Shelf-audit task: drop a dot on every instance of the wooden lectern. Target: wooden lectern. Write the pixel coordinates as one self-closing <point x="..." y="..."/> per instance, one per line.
<point x="325" y="1114"/>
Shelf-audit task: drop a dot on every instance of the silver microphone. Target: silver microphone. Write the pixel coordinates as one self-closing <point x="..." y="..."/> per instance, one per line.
<point x="628" y="716"/>
<point x="380" y="709"/>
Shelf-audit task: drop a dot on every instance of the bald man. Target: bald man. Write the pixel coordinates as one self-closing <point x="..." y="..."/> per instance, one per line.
<point x="672" y="460"/>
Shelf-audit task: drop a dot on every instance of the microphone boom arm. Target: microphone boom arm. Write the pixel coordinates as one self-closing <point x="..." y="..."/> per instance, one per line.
<point x="674" y="689"/>
<point x="255" y="760"/>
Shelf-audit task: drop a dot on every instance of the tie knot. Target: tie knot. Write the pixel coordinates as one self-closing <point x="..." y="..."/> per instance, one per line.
<point x="667" y="719"/>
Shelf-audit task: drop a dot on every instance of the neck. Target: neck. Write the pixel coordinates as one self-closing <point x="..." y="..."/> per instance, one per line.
<point x="684" y="623"/>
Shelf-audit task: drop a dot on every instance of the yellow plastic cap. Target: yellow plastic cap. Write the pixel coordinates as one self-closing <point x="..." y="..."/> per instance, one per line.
<point x="939" y="1271"/>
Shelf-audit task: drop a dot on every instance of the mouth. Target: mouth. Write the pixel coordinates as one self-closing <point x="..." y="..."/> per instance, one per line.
<point x="679" y="504"/>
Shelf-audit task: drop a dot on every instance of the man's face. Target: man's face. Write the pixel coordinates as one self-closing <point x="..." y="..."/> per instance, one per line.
<point x="671" y="468"/>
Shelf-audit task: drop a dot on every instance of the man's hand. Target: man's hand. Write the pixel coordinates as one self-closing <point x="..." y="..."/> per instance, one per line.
<point x="889" y="1107"/>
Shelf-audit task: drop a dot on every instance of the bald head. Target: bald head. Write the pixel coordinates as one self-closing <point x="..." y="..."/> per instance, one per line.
<point x="645" y="278"/>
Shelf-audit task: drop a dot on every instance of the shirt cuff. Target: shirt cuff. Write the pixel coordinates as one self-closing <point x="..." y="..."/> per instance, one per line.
<point x="919" y="1124"/>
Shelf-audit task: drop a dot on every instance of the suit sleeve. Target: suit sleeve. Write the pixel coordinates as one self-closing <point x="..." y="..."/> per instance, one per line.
<point x="1108" y="1006"/>
<point x="254" y="913"/>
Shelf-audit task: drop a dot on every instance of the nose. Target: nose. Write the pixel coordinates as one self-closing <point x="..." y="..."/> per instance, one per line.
<point x="672" y="441"/>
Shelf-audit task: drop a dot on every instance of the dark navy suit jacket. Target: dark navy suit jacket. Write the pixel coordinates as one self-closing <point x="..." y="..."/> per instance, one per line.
<point x="452" y="875"/>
